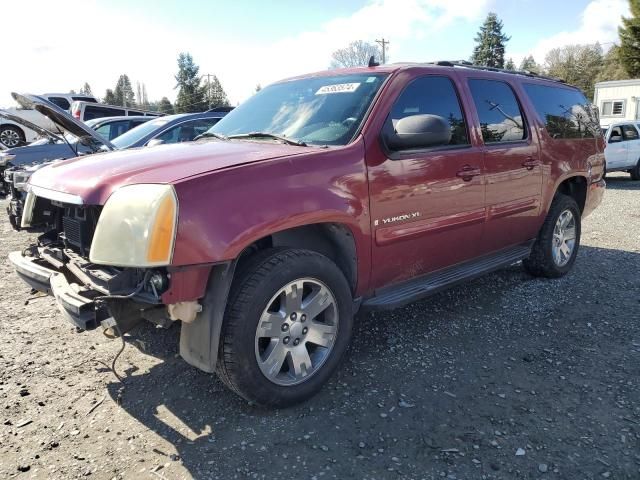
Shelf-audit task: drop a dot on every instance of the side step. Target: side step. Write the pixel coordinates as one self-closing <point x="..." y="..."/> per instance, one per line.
<point x="395" y="296"/>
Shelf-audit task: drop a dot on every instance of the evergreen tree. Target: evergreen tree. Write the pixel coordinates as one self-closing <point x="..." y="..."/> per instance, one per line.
<point x="510" y="65"/>
<point x="165" y="106"/>
<point x="109" y="97"/>
<point x="191" y="95"/>
<point x="86" y="89"/>
<point x="529" y="64"/>
<point x="124" y="92"/>
<point x="216" y="96"/>
<point x="490" y="43"/>
<point x="613" y="69"/>
<point x="630" y="40"/>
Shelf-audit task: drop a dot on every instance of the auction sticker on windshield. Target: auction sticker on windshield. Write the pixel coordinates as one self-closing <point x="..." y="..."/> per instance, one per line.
<point x="338" y="88"/>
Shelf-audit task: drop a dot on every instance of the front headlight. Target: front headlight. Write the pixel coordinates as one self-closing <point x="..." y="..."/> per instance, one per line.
<point x="20" y="179"/>
<point x="137" y="227"/>
<point x="5" y="158"/>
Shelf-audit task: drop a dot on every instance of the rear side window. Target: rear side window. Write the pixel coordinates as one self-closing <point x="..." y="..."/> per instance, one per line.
<point x="98" y="111"/>
<point x="629" y="132"/>
<point x="566" y="112"/>
<point x="501" y="118"/>
<point x="85" y="99"/>
<point x="61" y="102"/>
<point x="433" y="95"/>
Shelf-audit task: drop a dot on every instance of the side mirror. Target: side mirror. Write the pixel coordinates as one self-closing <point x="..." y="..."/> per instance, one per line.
<point x="419" y="131"/>
<point x="615" y="138"/>
<point x="155" y="142"/>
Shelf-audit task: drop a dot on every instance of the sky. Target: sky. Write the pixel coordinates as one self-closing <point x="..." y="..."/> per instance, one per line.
<point x="58" y="46"/>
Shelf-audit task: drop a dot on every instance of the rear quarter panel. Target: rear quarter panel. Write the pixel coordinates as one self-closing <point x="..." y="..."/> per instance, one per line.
<point x="222" y="213"/>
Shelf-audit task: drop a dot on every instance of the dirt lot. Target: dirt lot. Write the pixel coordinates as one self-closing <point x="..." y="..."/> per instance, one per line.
<point x="507" y="377"/>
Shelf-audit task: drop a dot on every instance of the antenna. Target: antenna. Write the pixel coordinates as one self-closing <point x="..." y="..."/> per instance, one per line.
<point x="372" y="62"/>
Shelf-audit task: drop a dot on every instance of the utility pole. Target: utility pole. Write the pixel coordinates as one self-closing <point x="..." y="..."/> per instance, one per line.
<point x="383" y="43"/>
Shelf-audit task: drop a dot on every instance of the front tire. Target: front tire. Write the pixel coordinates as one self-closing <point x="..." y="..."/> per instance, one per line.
<point x="635" y="172"/>
<point x="287" y="325"/>
<point x="11" y="136"/>
<point x="556" y="247"/>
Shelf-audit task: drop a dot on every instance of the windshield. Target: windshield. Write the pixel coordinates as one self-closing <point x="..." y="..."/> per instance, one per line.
<point x="317" y="110"/>
<point x="134" y="135"/>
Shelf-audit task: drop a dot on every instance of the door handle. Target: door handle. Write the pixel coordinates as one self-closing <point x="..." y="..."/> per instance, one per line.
<point x="468" y="172"/>
<point x="530" y="163"/>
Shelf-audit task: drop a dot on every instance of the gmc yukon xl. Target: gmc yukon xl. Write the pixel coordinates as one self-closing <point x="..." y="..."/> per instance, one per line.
<point x="364" y="188"/>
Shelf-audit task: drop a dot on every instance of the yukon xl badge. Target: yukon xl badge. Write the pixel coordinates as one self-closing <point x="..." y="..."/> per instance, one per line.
<point x="397" y="218"/>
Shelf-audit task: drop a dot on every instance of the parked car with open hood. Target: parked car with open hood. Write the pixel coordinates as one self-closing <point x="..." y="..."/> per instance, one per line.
<point x="13" y="134"/>
<point x="24" y="160"/>
<point x="320" y="195"/>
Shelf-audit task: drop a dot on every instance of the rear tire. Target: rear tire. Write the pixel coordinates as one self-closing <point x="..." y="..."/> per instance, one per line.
<point x="281" y="303"/>
<point x="556" y="247"/>
<point x="11" y="136"/>
<point x="635" y="172"/>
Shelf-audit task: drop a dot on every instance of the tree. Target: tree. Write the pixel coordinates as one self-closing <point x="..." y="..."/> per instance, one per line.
<point x="191" y="95"/>
<point x="86" y="89"/>
<point x="510" y="65"/>
<point x="612" y="68"/>
<point x="165" y="106"/>
<point x="630" y="40"/>
<point x="141" y="96"/>
<point x="529" y="64"/>
<point x="124" y="92"/>
<point x="578" y="65"/>
<point x="356" y="54"/>
<point x="109" y="97"/>
<point x="216" y="96"/>
<point x="490" y="43"/>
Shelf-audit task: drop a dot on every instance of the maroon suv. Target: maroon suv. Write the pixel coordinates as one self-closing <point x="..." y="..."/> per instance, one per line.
<point x="365" y="188"/>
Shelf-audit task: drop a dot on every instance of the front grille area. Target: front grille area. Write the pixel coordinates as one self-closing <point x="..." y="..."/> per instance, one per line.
<point x="78" y="225"/>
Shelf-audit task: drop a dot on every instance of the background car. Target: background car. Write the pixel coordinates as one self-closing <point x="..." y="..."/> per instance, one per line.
<point x="622" y="152"/>
<point x="86" y="111"/>
<point x="13" y="134"/>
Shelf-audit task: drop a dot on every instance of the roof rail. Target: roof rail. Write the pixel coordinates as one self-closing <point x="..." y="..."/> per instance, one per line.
<point x="466" y="64"/>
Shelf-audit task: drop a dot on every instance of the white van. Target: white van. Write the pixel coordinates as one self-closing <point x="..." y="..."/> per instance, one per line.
<point x="84" y="111"/>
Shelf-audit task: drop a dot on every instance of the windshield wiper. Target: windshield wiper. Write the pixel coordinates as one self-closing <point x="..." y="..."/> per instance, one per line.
<point x="282" y="138"/>
<point x="219" y="136"/>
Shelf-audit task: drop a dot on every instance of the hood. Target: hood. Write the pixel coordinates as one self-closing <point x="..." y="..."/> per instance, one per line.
<point x="43" y="132"/>
<point x="66" y="122"/>
<point x="94" y="177"/>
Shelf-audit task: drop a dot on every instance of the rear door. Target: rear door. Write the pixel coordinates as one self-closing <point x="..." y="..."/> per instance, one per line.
<point x="512" y="165"/>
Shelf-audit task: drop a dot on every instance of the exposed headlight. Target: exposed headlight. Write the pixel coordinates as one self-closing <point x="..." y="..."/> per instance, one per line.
<point x="137" y="227"/>
<point x="5" y="158"/>
<point x="20" y="179"/>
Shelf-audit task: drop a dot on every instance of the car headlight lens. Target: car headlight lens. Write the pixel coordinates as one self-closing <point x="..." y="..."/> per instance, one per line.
<point x="20" y="179"/>
<point x="5" y="158"/>
<point x="136" y="227"/>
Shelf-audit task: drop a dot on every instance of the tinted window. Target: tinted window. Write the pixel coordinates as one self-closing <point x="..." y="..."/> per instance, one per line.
<point x="60" y="102"/>
<point x="565" y="112"/>
<point x="432" y="96"/>
<point x="629" y="132"/>
<point x="137" y="134"/>
<point x="500" y="116"/>
<point x="85" y="99"/>
<point x="187" y="131"/>
<point x="98" y="111"/>
<point x="113" y="129"/>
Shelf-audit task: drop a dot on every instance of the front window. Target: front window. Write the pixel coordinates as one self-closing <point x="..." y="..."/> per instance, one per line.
<point x="134" y="135"/>
<point x="317" y="110"/>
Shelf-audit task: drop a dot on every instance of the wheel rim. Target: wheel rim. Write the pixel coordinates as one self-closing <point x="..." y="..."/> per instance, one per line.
<point x="296" y="332"/>
<point x="9" y="138"/>
<point x="564" y="238"/>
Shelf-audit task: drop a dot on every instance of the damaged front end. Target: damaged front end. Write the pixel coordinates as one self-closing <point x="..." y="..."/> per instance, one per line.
<point x="92" y="293"/>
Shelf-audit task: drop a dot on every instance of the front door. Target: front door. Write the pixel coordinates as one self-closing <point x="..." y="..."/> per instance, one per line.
<point x="427" y="203"/>
<point x="512" y="165"/>
<point x="616" y="151"/>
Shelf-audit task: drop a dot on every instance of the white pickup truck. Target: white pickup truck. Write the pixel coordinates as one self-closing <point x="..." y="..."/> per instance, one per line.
<point x="622" y="152"/>
<point x="13" y="134"/>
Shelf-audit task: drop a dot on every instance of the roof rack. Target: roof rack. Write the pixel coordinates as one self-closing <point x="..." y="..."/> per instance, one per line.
<point x="466" y="64"/>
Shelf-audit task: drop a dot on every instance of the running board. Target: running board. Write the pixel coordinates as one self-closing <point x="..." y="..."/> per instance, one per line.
<point x="401" y="294"/>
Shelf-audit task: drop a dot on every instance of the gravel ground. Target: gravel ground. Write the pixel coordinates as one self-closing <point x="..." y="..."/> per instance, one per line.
<point x="507" y="377"/>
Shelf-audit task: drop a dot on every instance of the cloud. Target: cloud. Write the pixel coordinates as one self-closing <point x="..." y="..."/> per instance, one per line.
<point x="599" y="22"/>
<point x="53" y="53"/>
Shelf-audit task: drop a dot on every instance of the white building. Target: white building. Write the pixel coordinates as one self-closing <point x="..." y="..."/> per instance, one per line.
<point x="617" y="100"/>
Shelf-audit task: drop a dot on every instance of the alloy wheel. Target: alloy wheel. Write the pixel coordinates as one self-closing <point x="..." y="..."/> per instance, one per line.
<point x="564" y="238"/>
<point x="9" y="138"/>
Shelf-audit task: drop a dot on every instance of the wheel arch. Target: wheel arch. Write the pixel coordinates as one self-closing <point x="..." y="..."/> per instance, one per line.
<point x="575" y="187"/>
